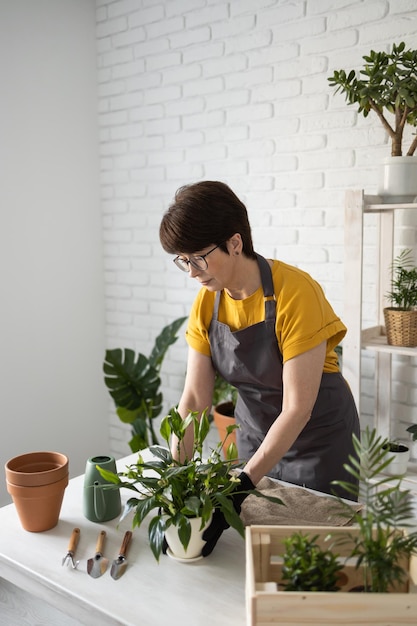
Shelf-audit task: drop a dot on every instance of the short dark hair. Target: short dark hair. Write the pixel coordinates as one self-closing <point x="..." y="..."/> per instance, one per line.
<point x="204" y="214"/>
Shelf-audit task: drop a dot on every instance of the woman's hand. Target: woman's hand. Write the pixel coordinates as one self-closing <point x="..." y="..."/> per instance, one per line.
<point x="196" y="396"/>
<point x="218" y="524"/>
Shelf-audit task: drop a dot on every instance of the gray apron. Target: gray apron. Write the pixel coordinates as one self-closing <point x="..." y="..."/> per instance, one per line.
<point x="250" y="360"/>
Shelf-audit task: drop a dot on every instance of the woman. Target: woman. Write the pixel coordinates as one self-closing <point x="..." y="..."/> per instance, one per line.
<point x="268" y="329"/>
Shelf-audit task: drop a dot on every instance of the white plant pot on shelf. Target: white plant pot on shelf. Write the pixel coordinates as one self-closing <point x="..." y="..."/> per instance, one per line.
<point x="399" y="463"/>
<point x="398" y="177"/>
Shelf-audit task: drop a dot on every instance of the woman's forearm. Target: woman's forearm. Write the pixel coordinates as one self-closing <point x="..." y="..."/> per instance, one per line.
<point x="281" y="436"/>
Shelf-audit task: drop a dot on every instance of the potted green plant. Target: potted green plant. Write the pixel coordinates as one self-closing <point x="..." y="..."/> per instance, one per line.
<point x="134" y="382"/>
<point x="309" y="567"/>
<point x="387" y="85"/>
<point x="383" y="541"/>
<point x="401" y="317"/>
<point x="224" y="402"/>
<point x="413" y="431"/>
<point x="181" y="491"/>
<point x="399" y="455"/>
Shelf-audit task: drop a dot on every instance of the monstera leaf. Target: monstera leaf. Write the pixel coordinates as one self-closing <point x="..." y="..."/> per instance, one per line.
<point x="167" y="337"/>
<point x="131" y="380"/>
<point x="134" y="383"/>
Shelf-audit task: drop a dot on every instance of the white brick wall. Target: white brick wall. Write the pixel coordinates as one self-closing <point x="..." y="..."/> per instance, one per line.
<point x="235" y="91"/>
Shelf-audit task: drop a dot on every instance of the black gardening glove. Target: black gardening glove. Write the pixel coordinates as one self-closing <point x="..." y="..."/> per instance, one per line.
<point x="164" y="546"/>
<point x="218" y="524"/>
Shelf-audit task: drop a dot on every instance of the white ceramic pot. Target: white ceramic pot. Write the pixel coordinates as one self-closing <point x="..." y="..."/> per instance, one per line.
<point x="398" y="177"/>
<point x="194" y="548"/>
<point x="400" y="458"/>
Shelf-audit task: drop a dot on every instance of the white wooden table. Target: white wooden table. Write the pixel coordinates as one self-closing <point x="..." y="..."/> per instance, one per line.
<point x="209" y="591"/>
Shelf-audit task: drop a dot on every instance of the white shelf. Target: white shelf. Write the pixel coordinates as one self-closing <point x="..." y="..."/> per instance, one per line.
<point x="357" y="206"/>
<point x="379" y="203"/>
<point x="375" y="339"/>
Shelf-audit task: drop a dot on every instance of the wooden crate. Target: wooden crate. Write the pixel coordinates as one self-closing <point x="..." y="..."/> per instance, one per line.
<point x="266" y="604"/>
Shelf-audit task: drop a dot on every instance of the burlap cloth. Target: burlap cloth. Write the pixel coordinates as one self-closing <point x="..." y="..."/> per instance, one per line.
<point x="302" y="508"/>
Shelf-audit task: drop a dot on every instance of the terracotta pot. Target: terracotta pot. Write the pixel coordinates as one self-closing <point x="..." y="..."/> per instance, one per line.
<point x="37" y="482"/>
<point x="223" y="415"/>
<point x="38" y="508"/>
<point x="36" y="468"/>
<point x="194" y="548"/>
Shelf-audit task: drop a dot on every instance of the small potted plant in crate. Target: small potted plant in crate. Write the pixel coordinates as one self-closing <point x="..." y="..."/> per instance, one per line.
<point x="309" y="567"/>
<point x="401" y="317"/>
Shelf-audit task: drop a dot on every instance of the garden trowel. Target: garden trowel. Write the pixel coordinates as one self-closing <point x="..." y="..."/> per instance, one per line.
<point x="119" y="565"/>
<point x="97" y="565"/>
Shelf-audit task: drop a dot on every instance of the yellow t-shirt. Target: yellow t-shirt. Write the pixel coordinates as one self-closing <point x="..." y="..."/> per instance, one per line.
<point x="304" y="317"/>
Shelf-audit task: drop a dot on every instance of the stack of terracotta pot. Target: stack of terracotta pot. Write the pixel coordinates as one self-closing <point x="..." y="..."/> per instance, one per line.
<point x="37" y="481"/>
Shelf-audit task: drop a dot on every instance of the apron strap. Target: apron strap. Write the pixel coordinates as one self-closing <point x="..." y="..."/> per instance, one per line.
<point x="268" y="287"/>
<point x="216" y="306"/>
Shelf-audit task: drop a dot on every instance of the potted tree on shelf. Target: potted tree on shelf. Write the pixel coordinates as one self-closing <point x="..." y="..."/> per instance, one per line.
<point x="401" y="317"/>
<point x="180" y="492"/>
<point x="387" y="85"/>
<point x="134" y="383"/>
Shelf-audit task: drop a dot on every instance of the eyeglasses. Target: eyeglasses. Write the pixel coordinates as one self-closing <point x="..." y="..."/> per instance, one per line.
<point x="198" y="262"/>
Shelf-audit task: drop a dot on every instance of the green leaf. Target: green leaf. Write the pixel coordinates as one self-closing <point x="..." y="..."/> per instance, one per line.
<point x="184" y="530"/>
<point x="165" y="429"/>
<point x="110" y="477"/>
<point x="156" y="534"/>
<point x="185" y="423"/>
<point x="232" y="451"/>
<point x="131" y="381"/>
<point x="143" y="508"/>
<point x="138" y="443"/>
<point x="128" y="508"/>
<point x="204" y="427"/>
<point x="192" y="506"/>
<point x="413" y="430"/>
<point x="207" y="507"/>
<point x="126" y="416"/>
<point x="272" y="499"/>
<point x="167" y="337"/>
<point x="163" y="453"/>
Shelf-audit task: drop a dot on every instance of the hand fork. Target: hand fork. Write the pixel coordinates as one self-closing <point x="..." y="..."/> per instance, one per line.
<point x="73" y="542"/>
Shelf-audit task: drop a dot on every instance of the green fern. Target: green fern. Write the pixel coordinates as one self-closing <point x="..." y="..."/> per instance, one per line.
<point x="381" y="543"/>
